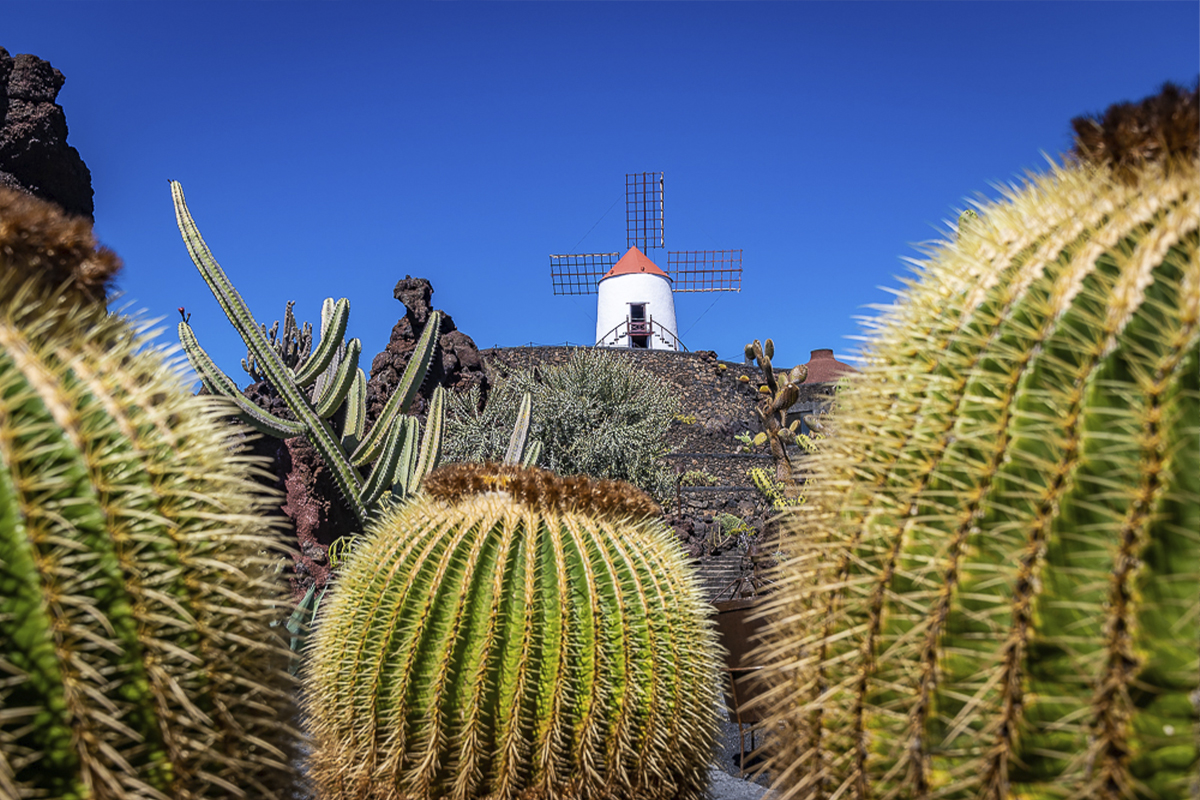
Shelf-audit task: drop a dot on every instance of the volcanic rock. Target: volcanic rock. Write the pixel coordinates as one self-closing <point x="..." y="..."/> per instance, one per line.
<point x="34" y="154"/>
<point x="456" y="363"/>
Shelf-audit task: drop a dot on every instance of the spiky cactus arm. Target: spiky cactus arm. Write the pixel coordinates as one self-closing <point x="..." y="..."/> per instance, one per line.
<point x="135" y="590"/>
<point x="1006" y="517"/>
<point x="266" y="357"/>
<point x="554" y="646"/>
<point x="332" y="366"/>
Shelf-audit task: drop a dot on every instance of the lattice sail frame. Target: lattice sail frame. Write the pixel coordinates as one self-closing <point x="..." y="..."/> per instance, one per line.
<point x="689" y="270"/>
<point x="644" y="210"/>
<point x="580" y="273"/>
<point x="705" y="270"/>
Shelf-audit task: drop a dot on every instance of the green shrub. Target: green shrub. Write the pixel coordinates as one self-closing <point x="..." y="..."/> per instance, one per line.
<point x="698" y="477"/>
<point x="599" y="414"/>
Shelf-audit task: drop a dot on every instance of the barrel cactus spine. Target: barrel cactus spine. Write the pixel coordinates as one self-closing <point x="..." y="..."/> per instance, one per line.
<point x="38" y="240"/>
<point x="136" y="589"/>
<point x="991" y="590"/>
<point x="510" y="633"/>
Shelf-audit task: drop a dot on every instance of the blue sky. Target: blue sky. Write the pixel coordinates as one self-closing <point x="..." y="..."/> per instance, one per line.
<point x="329" y="149"/>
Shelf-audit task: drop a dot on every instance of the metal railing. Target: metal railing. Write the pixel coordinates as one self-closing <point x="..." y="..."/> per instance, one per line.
<point x="629" y="328"/>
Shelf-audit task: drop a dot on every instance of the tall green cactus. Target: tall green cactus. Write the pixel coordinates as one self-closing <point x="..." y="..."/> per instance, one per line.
<point x="337" y="382"/>
<point x="514" y="634"/>
<point x="136" y="589"/>
<point x="992" y="589"/>
<point x="520" y="450"/>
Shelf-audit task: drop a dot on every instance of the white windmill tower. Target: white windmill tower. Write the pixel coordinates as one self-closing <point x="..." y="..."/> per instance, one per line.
<point x="635" y="305"/>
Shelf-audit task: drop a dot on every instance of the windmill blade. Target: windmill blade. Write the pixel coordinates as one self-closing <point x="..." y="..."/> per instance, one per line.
<point x="705" y="270"/>
<point x="579" y="273"/>
<point x="644" y="210"/>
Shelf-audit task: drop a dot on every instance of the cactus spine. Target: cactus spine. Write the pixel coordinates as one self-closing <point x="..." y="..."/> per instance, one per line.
<point x="992" y="589"/>
<point x="332" y="370"/>
<point x="514" y="634"/>
<point x="137" y="659"/>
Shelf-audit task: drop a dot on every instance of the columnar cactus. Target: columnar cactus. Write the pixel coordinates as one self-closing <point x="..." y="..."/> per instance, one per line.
<point x="136" y="587"/>
<point x="510" y="634"/>
<point x="992" y="589"/>
<point x="328" y="379"/>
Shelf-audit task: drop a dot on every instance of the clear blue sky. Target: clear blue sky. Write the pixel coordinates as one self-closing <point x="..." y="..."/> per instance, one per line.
<point x="328" y="149"/>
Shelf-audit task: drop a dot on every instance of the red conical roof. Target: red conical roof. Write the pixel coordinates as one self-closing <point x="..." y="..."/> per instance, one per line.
<point x="635" y="263"/>
<point x="824" y="368"/>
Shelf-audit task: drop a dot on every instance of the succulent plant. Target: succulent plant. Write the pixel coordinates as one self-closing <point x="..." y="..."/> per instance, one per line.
<point x="779" y="393"/>
<point x="510" y="634"/>
<point x="772" y="490"/>
<point x="991" y="591"/>
<point x="136" y="590"/>
<point x="337" y="384"/>
<point x="597" y="414"/>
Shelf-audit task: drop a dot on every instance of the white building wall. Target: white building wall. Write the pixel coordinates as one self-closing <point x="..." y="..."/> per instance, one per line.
<point x="612" y="307"/>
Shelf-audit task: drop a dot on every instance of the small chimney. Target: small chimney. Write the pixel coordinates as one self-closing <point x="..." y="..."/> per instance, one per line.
<point x="824" y="368"/>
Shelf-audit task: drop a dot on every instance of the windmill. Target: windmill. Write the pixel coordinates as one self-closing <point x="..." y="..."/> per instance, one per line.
<point x="635" y="305"/>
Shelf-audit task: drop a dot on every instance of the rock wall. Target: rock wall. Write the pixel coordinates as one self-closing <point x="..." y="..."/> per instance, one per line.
<point x="34" y="154"/>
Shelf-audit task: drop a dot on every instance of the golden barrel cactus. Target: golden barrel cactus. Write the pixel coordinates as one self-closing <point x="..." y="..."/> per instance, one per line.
<point x="136" y="581"/>
<point x="994" y="588"/>
<point x="513" y="634"/>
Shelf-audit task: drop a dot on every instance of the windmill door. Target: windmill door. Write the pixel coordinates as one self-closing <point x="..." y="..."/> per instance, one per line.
<point x="639" y="326"/>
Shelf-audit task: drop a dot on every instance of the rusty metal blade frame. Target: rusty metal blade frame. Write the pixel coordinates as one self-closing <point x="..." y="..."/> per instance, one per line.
<point x="705" y="270"/>
<point x="579" y="273"/>
<point x="644" y="210"/>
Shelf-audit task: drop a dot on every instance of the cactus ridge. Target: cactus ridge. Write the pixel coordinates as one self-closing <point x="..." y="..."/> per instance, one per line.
<point x="1025" y="450"/>
<point x="508" y="649"/>
<point x="134" y="591"/>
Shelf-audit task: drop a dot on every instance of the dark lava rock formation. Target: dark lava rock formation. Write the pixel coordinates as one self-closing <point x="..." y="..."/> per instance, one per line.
<point x="34" y="154"/>
<point x="456" y="363"/>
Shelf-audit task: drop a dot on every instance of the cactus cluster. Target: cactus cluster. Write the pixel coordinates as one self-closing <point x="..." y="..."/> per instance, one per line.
<point x="136" y="589"/>
<point x="324" y="383"/>
<point x="513" y="634"/>
<point x="991" y="591"/>
<point x="322" y="386"/>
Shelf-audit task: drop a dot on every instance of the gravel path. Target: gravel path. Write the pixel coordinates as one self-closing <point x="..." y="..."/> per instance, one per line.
<point x="729" y="787"/>
<point x="726" y="783"/>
